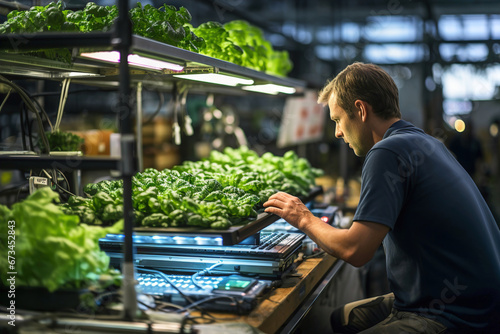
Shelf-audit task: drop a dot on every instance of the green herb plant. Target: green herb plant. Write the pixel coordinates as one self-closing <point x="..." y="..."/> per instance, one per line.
<point x="63" y="141"/>
<point x="224" y="190"/>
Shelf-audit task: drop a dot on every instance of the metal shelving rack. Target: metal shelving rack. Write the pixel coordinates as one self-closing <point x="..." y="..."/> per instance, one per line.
<point x="120" y="40"/>
<point x="99" y="73"/>
<point x="124" y="76"/>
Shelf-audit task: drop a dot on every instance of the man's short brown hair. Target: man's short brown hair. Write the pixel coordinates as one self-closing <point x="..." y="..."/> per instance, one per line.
<point x="366" y="82"/>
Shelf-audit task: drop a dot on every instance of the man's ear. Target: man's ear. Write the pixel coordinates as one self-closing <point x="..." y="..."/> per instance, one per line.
<point x="362" y="108"/>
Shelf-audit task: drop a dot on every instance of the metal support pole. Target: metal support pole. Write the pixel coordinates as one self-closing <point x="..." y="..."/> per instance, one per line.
<point x="122" y="42"/>
<point x="138" y="129"/>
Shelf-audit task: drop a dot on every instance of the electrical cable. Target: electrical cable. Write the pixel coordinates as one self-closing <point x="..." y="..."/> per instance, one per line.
<point x="25" y="187"/>
<point x="157" y="111"/>
<point x="52" y="178"/>
<point x="31" y="106"/>
<point x="203" y="272"/>
<point x="66" y="191"/>
<point x="163" y="275"/>
<point x="99" y="298"/>
<point x="211" y="299"/>
<point x="161" y="304"/>
<point x="189" y="300"/>
<point x="11" y="187"/>
<point x="314" y="255"/>
<point x="29" y="128"/>
<point x="64" y="177"/>
<point x="44" y="113"/>
<point x="26" y="100"/>
<point x="5" y="99"/>
<point x="23" y="135"/>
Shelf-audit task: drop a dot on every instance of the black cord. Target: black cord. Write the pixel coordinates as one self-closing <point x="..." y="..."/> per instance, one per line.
<point x="5" y="99"/>
<point x="98" y="299"/>
<point x="161" y="305"/>
<point x="157" y="111"/>
<point x="65" y="178"/>
<point x="21" y="189"/>
<point x="314" y="255"/>
<point x="44" y="113"/>
<point x="29" y="103"/>
<point x="10" y="187"/>
<point x="30" y="128"/>
<point x="66" y="191"/>
<point x="23" y="135"/>
<point x="211" y="299"/>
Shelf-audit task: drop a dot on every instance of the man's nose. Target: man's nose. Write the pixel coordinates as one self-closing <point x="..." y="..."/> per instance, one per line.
<point x="338" y="132"/>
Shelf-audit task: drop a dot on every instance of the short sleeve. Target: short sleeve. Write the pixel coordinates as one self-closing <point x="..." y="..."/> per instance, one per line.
<point x="383" y="185"/>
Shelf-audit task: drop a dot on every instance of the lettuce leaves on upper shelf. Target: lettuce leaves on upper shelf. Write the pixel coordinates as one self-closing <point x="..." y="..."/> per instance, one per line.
<point x="166" y="24"/>
<point x="236" y="41"/>
<point x="258" y="52"/>
<point x="241" y="43"/>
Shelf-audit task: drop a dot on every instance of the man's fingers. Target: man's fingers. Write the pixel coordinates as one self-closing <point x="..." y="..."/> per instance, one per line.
<point x="273" y="209"/>
<point x="272" y="202"/>
<point x="282" y="196"/>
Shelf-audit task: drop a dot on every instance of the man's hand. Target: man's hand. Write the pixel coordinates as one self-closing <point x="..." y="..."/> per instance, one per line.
<point x="290" y="208"/>
<point x="355" y="245"/>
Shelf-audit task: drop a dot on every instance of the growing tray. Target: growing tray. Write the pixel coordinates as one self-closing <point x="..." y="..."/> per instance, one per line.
<point x="232" y="236"/>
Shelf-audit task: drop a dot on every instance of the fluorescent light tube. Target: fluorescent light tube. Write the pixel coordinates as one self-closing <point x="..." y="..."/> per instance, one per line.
<point x="133" y="59"/>
<point x="220" y="79"/>
<point x="270" y="89"/>
<point x="78" y="74"/>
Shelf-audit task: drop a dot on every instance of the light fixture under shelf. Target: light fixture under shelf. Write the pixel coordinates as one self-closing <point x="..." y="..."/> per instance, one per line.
<point x="270" y="89"/>
<point x="134" y="60"/>
<point x="216" y="78"/>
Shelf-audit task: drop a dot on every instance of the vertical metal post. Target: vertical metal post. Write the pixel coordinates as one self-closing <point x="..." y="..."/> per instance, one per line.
<point x="138" y="127"/>
<point x="122" y="43"/>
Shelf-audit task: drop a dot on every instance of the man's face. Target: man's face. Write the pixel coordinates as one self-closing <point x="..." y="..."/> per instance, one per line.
<point x="352" y="130"/>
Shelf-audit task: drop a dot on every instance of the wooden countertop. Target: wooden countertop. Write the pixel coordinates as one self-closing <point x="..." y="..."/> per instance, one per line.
<point x="280" y="303"/>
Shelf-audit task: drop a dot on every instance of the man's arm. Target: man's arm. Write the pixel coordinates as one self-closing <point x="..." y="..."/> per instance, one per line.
<point x="355" y="245"/>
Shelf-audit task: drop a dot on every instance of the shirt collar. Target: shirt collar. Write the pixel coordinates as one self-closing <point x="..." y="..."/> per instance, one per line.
<point x="396" y="126"/>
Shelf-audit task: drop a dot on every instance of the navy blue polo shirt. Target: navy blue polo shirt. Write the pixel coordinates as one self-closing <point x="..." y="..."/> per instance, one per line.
<point x="443" y="247"/>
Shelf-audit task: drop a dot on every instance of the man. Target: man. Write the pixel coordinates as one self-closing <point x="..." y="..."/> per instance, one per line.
<point x="441" y="241"/>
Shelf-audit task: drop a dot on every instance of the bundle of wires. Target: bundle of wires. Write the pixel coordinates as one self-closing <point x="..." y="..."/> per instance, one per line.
<point x="30" y="104"/>
<point x="191" y="303"/>
<point x="34" y="106"/>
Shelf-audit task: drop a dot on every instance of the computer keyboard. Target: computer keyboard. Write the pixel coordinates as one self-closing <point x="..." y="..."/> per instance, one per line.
<point x="276" y="242"/>
<point x="155" y="284"/>
<point x="231" y="293"/>
<point x="269" y="241"/>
